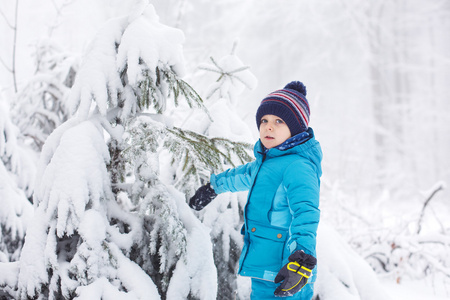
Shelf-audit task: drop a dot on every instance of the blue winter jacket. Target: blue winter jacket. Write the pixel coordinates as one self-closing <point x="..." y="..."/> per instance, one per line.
<point x="282" y="210"/>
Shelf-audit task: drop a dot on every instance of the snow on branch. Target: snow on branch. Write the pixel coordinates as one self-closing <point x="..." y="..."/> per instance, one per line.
<point x="17" y="172"/>
<point x="134" y="63"/>
<point x="234" y="76"/>
<point x="15" y="213"/>
<point x="16" y="157"/>
<point x="41" y="105"/>
<point x="196" y="273"/>
<point x="8" y="279"/>
<point x="97" y="79"/>
<point x="196" y="153"/>
<point x="73" y="180"/>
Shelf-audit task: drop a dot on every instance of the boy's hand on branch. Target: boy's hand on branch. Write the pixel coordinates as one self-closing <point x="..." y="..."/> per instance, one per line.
<point x="203" y="196"/>
<point x="295" y="273"/>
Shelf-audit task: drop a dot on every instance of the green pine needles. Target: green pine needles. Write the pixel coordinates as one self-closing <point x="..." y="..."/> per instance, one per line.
<point x="196" y="151"/>
<point x="196" y="155"/>
<point x="163" y="83"/>
<point x="193" y="154"/>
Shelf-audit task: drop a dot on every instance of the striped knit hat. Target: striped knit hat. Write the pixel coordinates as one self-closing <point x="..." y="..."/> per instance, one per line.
<point x="289" y="104"/>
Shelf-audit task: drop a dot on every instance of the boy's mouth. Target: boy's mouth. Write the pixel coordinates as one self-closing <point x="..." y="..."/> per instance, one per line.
<point x="269" y="137"/>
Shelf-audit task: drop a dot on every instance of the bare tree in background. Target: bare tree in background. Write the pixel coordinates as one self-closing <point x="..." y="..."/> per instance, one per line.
<point x="13" y="27"/>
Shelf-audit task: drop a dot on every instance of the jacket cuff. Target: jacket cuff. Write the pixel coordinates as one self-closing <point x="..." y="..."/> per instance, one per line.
<point x="294" y="247"/>
<point x="212" y="181"/>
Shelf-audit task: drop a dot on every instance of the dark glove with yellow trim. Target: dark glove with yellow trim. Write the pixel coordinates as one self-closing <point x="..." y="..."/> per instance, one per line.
<point x="203" y="196"/>
<point x="295" y="273"/>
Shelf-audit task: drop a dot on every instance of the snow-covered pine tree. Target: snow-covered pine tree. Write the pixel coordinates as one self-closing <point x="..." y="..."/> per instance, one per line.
<point x="105" y="225"/>
<point x="17" y="171"/>
<point x="15" y="155"/>
<point x="41" y="106"/>
<point x="224" y="216"/>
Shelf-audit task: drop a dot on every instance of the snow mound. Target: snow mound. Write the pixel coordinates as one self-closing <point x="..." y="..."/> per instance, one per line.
<point x="342" y="273"/>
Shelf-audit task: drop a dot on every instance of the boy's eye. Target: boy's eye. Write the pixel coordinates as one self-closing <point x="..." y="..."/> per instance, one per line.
<point x="263" y="121"/>
<point x="279" y="121"/>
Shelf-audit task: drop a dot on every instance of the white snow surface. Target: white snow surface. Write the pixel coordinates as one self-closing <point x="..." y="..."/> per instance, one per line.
<point x="198" y="272"/>
<point x="412" y="290"/>
<point x="343" y="274"/>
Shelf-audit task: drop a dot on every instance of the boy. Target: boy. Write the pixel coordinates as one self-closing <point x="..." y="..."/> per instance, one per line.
<point x="282" y="211"/>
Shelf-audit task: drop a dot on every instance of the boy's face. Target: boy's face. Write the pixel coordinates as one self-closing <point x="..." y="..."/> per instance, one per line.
<point x="273" y="131"/>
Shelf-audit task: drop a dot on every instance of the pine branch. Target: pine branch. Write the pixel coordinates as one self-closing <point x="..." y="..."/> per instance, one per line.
<point x="195" y="153"/>
<point x="243" y="82"/>
<point x="212" y="92"/>
<point x="217" y="65"/>
<point x="209" y="68"/>
<point x="154" y="93"/>
<point x="194" y="148"/>
<point x="229" y="75"/>
<point x="243" y="68"/>
<point x="181" y="87"/>
<point x="146" y="93"/>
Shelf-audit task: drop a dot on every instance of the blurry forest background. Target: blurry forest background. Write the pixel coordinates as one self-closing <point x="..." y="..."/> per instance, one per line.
<point x="377" y="75"/>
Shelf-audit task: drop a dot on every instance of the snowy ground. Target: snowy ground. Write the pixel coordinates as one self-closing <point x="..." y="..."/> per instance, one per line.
<point x="413" y="290"/>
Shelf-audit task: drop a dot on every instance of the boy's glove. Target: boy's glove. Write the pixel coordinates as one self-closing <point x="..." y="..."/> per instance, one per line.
<point x="202" y="197"/>
<point x="295" y="273"/>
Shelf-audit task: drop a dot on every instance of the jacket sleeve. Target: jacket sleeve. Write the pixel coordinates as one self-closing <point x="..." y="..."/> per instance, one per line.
<point x="302" y="184"/>
<point x="233" y="180"/>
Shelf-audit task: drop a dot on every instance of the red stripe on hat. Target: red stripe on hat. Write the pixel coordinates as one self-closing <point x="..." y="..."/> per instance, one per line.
<point x="289" y="97"/>
<point x="307" y="105"/>
<point x="275" y="100"/>
<point x="298" y="107"/>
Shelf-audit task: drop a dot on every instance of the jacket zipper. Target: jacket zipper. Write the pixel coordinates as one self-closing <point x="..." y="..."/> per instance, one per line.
<point x="245" y="212"/>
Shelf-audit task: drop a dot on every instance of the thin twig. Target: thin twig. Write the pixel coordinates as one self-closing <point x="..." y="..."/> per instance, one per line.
<point x="14" y="48"/>
<point x="4" y="64"/>
<point x="233" y="50"/>
<point x="427" y="201"/>
<point x="6" y="20"/>
<point x="216" y="64"/>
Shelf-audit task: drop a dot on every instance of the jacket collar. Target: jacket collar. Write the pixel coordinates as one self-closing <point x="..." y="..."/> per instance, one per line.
<point x="260" y="151"/>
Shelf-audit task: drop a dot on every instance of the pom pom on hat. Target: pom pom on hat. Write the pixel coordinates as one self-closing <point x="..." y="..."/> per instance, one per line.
<point x="289" y="104"/>
<point x="298" y="86"/>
